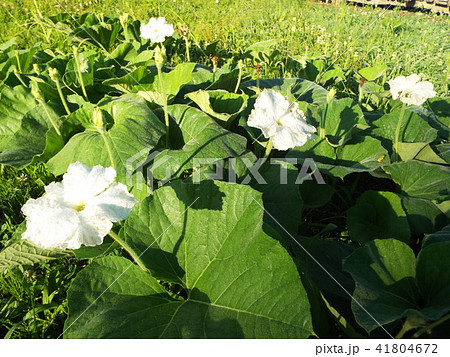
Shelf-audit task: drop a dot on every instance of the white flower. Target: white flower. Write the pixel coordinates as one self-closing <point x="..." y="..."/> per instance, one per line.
<point x="410" y="91"/>
<point x="157" y="29"/>
<point x="79" y="210"/>
<point x="280" y="120"/>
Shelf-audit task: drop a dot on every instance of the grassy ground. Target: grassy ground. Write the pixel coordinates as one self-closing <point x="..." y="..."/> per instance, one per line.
<point x="353" y="36"/>
<point x="32" y="300"/>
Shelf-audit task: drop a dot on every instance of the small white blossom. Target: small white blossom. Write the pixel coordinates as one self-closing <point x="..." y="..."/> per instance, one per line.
<point x="79" y="210"/>
<point x="280" y="120"/>
<point x="157" y="29"/>
<point x="410" y="91"/>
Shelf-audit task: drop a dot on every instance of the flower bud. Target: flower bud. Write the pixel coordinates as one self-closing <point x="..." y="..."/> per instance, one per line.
<point x="36" y="69"/>
<point x="183" y="30"/>
<point x="331" y="94"/>
<point x="36" y="93"/>
<point x="123" y="19"/>
<point x="160" y="55"/>
<point x="215" y="61"/>
<point x="98" y="119"/>
<point x="53" y="74"/>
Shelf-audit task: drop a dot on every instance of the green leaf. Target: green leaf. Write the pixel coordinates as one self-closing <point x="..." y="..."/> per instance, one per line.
<point x="433" y="279"/>
<point x="173" y="82"/>
<point x="300" y="89"/>
<point x="423" y="215"/>
<point x="437" y="237"/>
<point x="384" y="272"/>
<point x="420" y="179"/>
<point x="281" y="197"/>
<point x="413" y="129"/>
<point x="330" y="255"/>
<point x="220" y="104"/>
<point x="429" y="155"/>
<point x="361" y="154"/>
<point x="14" y="104"/>
<point x="36" y="139"/>
<point x="372" y="73"/>
<point x="339" y="117"/>
<point x="391" y="284"/>
<point x="135" y="131"/>
<point x="202" y="138"/>
<point x="234" y="287"/>
<point x="24" y="252"/>
<point x="315" y="195"/>
<point x="378" y="215"/>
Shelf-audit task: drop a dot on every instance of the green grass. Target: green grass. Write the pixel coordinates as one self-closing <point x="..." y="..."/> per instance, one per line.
<point x="354" y="37"/>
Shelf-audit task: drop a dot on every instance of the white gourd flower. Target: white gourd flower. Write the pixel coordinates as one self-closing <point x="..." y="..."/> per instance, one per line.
<point x="280" y="120"/>
<point x="410" y="91"/>
<point x="80" y="210"/>
<point x="157" y="30"/>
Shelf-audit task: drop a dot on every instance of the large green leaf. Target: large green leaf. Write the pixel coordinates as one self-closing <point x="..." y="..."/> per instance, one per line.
<point x="135" y="129"/>
<point x="433" y="279"/>
<point x="208" y="238"/>
<point x="281" y="197"/>
<point x="201" y="137"/>
<point x="35" y="139"/>
<point x="361" y="154"/>
<point x="172" y="82"/>
<point x="322" y="260"/>
<point x="384" y="272"/>
<point x="423" y="215"/>
<point x="391" y="284"/>
<point x="378" y="215"/>
<point x="338" y="118"/>
<point x="14" y="104"/>
<point x="219" y="104"/>
<point x="413" y="128"/>
<point x="300" y="89"/>
<point x="437" y="237"/>
<point x="421" y="179"/>
<point x="23" y="252"/>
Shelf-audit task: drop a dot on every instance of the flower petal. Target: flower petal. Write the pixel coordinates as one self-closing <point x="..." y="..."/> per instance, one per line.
<point x="114" y="204"/>
<point x="50" y="225"/>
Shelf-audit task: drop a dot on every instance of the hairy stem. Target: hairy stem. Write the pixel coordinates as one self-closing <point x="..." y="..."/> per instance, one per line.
<point x="128" y="249"/>
<point x="268" y="148"/>
<point x="61" y="95"/>
<point x="166" y="111"/>
<point x="397" y="133"/>
<point x="80" y="77"/>
<point x="431" y="326"/>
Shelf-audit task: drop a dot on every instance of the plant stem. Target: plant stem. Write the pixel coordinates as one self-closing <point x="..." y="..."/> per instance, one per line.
<point x="128" y="249"/>
<point x="322" y="122"/>
<point x="108" y="148"/>
<point x="51" y="120"/>
<point x="397" y="133"/>
<point x="268" y="148"/>
<point x="240" y="65"/>
<point x="80" y="77"/>
<point x="166" y="111"/>
<point x="17" y="74"/>
<point x="188" y="56"/>
<point x="430" y="326"/>
<point x="61" y="95"/>
<point x="405" y="328"/>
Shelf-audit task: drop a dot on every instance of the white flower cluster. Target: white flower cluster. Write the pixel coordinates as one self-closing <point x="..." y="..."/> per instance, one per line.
<point x="280" y="120"/>
<point x="79" y="210"/>
<point x="410" y="91"/>
<point x="157" y="30"/>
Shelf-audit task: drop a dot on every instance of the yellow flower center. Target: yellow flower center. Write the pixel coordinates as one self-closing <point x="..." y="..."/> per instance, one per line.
<point x="80" y="206"/>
